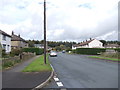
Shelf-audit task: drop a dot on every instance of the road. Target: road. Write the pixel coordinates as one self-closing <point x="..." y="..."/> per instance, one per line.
<point x="80" y="71"/>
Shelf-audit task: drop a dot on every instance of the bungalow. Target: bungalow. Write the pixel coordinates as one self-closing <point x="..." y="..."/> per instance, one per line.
<point x="112" y="46"/>
<point x="5" y="41"/>
<point x="92" y="43"/>
<point x="18" y="42"/>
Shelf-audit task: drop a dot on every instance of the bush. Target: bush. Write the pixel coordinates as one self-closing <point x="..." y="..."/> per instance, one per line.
<point x="9" y="63"/>
<point x="15" y="52"/>
<point x="74" y="51"/>
<point x="3" y="53"/>
<point x="38" y="51"/>
<point x="90" y="51"/>
<point x="117" y="49"/>
<point x="110" y="55"/>
<point x="69" y="49"/>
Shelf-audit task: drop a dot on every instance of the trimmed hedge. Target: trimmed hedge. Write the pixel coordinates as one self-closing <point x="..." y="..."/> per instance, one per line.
<point x="38" y="51"/>
<point x="90" y="51"/>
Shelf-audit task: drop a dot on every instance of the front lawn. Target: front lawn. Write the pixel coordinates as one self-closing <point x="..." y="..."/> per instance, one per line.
<point x="38" y="65"/>
<point x="99" y="57"/>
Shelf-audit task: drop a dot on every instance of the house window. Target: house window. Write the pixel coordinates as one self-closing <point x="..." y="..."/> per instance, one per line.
<point x="8" y="47"/>
<point x="4" y="37"/>
<point x="4" y="46"/>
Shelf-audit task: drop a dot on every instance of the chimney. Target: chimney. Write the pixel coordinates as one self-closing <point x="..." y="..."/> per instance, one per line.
<point x="19" y="35"/>
<point x="12" y="32"/>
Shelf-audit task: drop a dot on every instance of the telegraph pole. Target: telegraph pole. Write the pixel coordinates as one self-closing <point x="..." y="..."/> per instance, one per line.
<point x="44" y="31"/>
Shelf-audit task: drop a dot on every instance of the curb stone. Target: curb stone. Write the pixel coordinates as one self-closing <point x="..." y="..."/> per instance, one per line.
<point x="44" y="83"/>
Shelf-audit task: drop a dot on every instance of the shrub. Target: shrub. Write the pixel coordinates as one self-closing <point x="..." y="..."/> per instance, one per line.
<point x="9" y="63"/>
<point x="110" y="55"/>
<point x="74" y="51"/>
<point x="3" y="53"/>
<point x="38" y="51"/>
<point x="90" y="51"/>
<point x="15" y="52"/>
<point x="69" y="49"/>
<point x="117" y="49"/>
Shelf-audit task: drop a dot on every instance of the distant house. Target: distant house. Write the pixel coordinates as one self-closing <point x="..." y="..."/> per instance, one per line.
<point x="18" y="42"/>
<point x="112" y="46"/>
<point x="75" y="46"/>
<point x="5" y="40"/>
<point x="92" y="43"/>
<point x="39" y="45"/>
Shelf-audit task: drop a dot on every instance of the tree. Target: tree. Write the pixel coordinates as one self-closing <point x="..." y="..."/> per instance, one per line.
<point x="104" y="42"/>
<point x="31" y="43"/>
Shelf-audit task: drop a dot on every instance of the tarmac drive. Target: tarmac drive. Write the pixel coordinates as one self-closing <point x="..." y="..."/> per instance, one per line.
<point x="79" y="71"/>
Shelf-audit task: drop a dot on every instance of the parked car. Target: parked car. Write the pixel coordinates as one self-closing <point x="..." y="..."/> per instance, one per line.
<point x="63" y="51"/>
<point x="53" y="54"/>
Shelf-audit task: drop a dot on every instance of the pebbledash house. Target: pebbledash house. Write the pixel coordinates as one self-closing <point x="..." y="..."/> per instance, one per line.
<point x="18" y="42"/>
<point x="5" y="41"/>
<point x="92" y="43"/>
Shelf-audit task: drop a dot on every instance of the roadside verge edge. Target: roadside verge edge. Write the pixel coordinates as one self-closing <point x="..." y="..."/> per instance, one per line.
<point x="44" y="83"/>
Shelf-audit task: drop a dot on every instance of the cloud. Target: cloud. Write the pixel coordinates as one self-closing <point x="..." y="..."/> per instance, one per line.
<point x="66" y="20"/>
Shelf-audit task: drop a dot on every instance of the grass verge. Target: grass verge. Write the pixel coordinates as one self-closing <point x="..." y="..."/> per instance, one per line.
<point x="38" y="65"/>
<point x="106" y="58"/>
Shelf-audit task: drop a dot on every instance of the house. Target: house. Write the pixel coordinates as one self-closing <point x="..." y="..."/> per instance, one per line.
<point x="39" y="45"/>
<point x="18" y="42"/>
<point x="112" y="46"/>
<point x="75" y="46"/>
<point x="92" y="43"/>
<point x="5" y="40"/>
<point x="42" y="46"/>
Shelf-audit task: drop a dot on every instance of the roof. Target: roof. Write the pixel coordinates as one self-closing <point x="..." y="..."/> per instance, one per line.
<point x="75" y="45"/>
<point x="85" y="43"/>
<point x="38" y="45"/>
<point x="4" y="33"/>
<point x="17" y="38"/>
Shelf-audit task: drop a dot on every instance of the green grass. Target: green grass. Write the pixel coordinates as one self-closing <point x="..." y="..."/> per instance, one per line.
<point x="112" y="59"/>
<point x="38" y="65"/>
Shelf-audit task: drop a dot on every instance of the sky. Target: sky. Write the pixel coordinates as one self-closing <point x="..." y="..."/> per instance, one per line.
<point x="67" y="20"/>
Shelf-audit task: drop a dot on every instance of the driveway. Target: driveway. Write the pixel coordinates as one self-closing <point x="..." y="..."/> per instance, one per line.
<point x="79" y="71"/>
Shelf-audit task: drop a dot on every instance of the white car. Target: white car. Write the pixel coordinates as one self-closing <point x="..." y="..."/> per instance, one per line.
<point x="53" y="54"/>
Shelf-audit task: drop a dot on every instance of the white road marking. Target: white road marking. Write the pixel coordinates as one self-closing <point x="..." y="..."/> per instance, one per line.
<point x="59" y="84"/>
<point x="56" y="79"/>
<point x="63" y="89"/>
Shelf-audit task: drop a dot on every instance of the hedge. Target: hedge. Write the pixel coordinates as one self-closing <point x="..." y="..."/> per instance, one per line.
<point x="38" y="51"/>
<point x="90" y="51"/>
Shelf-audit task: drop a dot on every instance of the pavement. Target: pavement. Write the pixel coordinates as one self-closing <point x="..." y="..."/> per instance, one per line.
<point x="80" y="71"/>
<point x="14" y="78"/>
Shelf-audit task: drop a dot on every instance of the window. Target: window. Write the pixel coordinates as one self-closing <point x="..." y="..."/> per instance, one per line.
<point x="4" y="37"/>
<point x="8" y="47"/>
<point x="4" y="46"/>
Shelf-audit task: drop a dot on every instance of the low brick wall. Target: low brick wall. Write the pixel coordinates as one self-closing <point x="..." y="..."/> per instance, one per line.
<point x="20" y="58"/>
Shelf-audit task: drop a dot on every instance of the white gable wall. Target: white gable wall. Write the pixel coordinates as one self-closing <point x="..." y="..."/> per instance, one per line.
<point x="73" y="47"/>
<point x="95" y="44"/>
<point x="6" y="42"/>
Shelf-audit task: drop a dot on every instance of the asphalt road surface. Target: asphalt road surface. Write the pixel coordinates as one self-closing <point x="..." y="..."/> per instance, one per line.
<point x="80" y="71"/>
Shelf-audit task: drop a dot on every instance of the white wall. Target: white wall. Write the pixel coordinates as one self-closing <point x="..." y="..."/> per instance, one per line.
<point x="7" y="42"/>
<point x="95" y="44"/>
<point x="73" y="47"/>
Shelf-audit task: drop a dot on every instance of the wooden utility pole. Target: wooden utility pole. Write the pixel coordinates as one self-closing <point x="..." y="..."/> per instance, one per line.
<point x="44" y="31"/>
